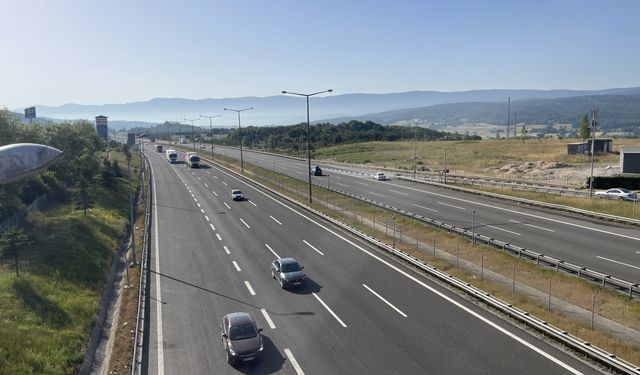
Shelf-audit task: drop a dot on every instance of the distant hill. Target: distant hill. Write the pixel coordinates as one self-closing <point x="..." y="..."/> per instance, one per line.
<point x="615" y="112"/>
<point x="284" y="110"/>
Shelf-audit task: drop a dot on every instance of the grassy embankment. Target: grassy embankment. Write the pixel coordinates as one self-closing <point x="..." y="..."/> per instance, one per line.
<point x="47" y="313"/>
<point x="378" y="223"/>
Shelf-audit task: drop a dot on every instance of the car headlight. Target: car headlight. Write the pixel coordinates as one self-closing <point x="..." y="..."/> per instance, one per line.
<point x="231" y="351"/>
<point x="261" y="347"/>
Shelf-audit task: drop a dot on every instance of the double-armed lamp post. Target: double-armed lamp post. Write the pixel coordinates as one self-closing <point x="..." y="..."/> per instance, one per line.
<point x="308" y="132"/>
<point x="239" y="133"/>
<point x="211" y="130"/>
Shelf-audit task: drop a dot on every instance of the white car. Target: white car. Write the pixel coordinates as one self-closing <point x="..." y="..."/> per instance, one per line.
<point x="617" y="194"/>
<point x="237" y="195"/>
<point x="379" y="176"/>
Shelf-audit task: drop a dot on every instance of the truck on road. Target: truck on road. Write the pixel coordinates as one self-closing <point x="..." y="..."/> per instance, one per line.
<point x="192" y="159"/>
<point x="159" y="148"/>
<point x="172" y="156"/>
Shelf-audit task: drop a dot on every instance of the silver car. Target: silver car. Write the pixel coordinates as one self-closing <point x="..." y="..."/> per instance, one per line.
<point x="241" y="338"/>
<point x="237" y="195"/>
<point x="288" y="272"/>
<point x="617" y="194"/>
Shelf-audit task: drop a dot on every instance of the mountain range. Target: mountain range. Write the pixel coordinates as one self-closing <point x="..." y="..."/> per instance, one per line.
<point x="429" y="107"/>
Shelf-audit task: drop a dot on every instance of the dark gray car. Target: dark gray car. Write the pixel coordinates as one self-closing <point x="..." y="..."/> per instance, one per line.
<point x="288" y="272"/>
<point x="241" y="338"/>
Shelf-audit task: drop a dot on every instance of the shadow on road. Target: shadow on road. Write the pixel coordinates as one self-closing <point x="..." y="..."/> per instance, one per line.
<point x="308" y="287"/>
<point x="228" y="297"/>
<point x="269" y="360"/>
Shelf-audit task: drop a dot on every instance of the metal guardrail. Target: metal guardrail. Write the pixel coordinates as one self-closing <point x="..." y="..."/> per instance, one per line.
<point x="559" y="207"/>
<point x="605" y="280"/>
<point x="136" y="355"/>
<point x="584" y="347"/>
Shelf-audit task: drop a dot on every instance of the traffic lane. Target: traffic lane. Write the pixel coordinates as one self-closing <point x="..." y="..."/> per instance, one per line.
<point x="336" y="270"/>
<point x="253" y="262"/>
<point x="527" y="227"/>
<point x="187" y="294"/>
<point x="195" y="363"/>
<point x="371" y="320"/>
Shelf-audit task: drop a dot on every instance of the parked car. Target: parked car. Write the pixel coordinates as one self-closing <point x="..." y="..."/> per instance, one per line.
<point x="237" y="195"/>
<point x="379" y="176"/>
<point x="241" y="338"/>
<point x="288" y="272"/>
<point x="618" y="193"/>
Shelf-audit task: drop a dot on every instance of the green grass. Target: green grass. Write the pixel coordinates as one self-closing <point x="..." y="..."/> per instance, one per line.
<point x="46" y="315"/>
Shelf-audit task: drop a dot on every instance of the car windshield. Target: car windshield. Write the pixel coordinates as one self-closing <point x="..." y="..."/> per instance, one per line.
<point x="236" y="192"/>
<point x="290" y="267"/>
<point x="625" y="191"/>
<point x="242" y="332"/>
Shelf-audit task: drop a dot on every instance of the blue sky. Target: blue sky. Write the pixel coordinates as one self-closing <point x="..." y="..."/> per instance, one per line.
<point x="113" y="51"/>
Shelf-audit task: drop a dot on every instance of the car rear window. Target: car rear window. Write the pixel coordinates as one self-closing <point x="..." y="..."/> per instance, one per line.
<point x="242" y="332"/>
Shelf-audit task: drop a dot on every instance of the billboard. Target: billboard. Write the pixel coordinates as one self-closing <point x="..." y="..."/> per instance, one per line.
<point x="30" y="112"/>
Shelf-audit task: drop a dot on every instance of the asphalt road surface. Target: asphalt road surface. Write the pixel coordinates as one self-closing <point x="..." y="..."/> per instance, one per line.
<point x="360" y="312"/>
<point x="610" y="248"/>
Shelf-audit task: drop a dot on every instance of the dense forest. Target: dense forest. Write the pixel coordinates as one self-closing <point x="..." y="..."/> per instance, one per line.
<point x="324" y="134"/>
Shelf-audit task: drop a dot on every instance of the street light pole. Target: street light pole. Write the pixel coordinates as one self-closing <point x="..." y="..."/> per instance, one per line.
<point x="193" y="137"/>
<point x="239" y="133"/>
<point x="473" y="227"/>
<point x="308" y="132"/>
<point x="594" y="116"/>
<point x="415" y="146"/>
<point x="211" y="130"/>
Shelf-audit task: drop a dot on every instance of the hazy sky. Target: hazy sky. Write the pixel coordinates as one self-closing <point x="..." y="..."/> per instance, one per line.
<point x="113" y="51"/>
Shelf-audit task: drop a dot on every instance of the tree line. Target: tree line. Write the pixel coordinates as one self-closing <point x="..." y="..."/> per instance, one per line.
<point x="293" y="137"/>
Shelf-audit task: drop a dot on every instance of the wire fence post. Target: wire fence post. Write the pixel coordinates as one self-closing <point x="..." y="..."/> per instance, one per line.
<point x="593" y="310"/>
<point x="549" y="295"/>
<point x="513" y="279"/>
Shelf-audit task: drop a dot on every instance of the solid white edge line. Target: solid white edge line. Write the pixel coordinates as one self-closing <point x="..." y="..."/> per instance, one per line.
<point x="619" y="262"/>
<point x="272" y="251"/>
<point x="226" y="250"/>
<point x="159" y="336"/>
<point x="212" y="227"/>
<point x="384" y="300"/>
<point x="311" y="246"/>
<point x="274" y="219"/>
<point x="253" y="293"/>
<point x="329" y="310"/>
<point x="293" y="361"/>
<point x="235" y="264"/>
<point x="245" y="224"/>
<point x="268" y="319"/>
<point x="219" y="238"/>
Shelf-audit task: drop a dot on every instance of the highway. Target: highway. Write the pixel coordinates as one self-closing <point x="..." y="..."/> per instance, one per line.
<point x="360" y="312"/>
<point x="610" y="248"/>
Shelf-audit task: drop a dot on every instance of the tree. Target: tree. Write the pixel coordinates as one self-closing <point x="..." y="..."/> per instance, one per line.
<point x="84" y="195"/>
<point x="523" y="133"/>
<point x="585" y="130"/>
<point x="12" y="242"/>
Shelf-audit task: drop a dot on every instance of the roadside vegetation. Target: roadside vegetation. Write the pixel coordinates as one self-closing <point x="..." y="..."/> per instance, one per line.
<point x="48" y="311"/>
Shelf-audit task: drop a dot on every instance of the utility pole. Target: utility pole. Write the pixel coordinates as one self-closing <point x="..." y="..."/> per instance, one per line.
<point x="508" y="117"/>
<point x="594" y="119"/>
